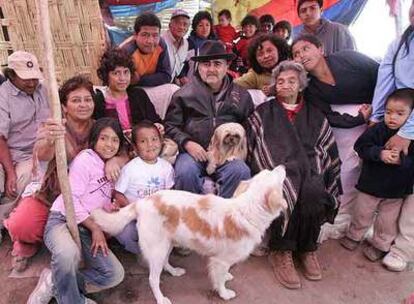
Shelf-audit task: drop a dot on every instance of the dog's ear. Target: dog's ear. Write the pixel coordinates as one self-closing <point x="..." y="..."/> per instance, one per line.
<point x="216" y="146"/>
<point x="274" y="201"/>
<point x="242" y="148"/>
<point x="241" y="188"/>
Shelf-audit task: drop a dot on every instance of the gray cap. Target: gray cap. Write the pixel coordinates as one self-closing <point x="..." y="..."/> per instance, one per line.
<point x="179" y="13"/>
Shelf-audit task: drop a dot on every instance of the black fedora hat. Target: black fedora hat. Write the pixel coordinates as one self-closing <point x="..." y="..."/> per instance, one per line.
<point x="211" y="50"/>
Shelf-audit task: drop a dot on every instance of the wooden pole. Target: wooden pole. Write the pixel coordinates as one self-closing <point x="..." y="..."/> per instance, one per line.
<point x="60" y="150"/>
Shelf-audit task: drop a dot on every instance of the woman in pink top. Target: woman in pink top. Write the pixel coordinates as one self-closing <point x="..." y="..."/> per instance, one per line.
<point x="90" y="190"/>
<point x="119" y="100"/>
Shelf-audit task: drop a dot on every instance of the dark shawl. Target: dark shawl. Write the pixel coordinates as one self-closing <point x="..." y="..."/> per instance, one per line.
<point x="307" y="149"/>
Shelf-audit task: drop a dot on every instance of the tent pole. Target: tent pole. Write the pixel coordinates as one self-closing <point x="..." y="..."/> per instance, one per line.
<point x="60" y="149"/>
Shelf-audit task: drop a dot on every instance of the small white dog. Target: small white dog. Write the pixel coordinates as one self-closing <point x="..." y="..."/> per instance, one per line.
<point x="225" y="230"/>
<point x="228" y="143"/>
<point x="169" y="150"/>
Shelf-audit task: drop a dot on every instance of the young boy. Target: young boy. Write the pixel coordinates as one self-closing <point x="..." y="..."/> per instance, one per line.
<point x="141" y="177"/>
<point x="224" y="30"/>
<point x="283" y="29"/>
<point x="250" y="25"/>
<point x="267" y="22"/>
<point x="386" y="178"/>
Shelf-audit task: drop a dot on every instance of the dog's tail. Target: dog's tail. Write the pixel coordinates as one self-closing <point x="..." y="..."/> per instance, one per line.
<point x="114" y="223"/>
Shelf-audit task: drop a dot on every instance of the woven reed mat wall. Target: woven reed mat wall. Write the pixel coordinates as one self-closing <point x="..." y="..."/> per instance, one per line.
<point x="77" y="29"/>
<point x="5" y="45"/>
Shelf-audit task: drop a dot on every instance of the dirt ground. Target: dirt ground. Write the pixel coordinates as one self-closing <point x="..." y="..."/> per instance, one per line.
<point x="347" y="278"/>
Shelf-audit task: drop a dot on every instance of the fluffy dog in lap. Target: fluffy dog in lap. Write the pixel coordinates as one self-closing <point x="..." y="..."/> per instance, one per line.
<point x="224" y="230"/>
<point x="227" y="143"/>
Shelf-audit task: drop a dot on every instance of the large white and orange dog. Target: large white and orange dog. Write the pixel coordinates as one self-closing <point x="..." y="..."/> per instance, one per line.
<point x="225" y="230"/>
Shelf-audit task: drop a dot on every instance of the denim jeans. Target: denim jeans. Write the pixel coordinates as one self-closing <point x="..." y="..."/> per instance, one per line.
<point x="128" y="238"/>
<point x="69" y="282"/>
<point x="190" y="174"/>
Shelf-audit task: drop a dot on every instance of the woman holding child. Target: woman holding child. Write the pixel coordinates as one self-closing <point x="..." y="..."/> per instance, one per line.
<point x="386" y="178"/>
<point x="396" y="72"/>
<point x="26" y="222"/>
<point x="90" y="190"/>
<point x="291" y="131"/>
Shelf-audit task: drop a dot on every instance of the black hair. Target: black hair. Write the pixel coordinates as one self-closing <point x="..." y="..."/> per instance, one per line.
<point x="73" y="84"/>
<point x="405" y="40"/>
<point x="111" y="59"/>
<point x="102" y="123"/>
<point x="300" y="2"/>
<point x="146" y="19"/>
<point x="405" y="94"/>
<point x="267" y="18"/>
<point x="226" y="13"/>
<point x="9" y="73"/>
<point x="283" y="50"/>
<point x="284" y="24"/>
<point x="197" y="19"/>
<point x="144" y="124"/>
<point x="250" y="19"/>
<point x="308" y="38"/>
<point x="201" y="15"/>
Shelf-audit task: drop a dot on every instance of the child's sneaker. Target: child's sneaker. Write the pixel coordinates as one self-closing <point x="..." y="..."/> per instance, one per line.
<point x="42" y="294"/>
<point x="394" y="262"/>
<point x="348" y="243"/>
<point x="373" y="254"/>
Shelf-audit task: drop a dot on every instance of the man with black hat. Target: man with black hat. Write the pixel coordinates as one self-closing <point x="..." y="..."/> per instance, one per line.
<point x="177" y="45"/>
<point x="23" y="106"/>
<point x="209" y="100"/>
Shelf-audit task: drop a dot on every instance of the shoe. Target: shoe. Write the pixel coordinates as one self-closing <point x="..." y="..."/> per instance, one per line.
<point x="394" y="262"/>
<point x="373" y="254"/>
<point x="284" y="269"/>
<point x="348" y="243"/>
<point x="19" y="263"/>
<point x="42" y="294"/>
<point x="311" y="268"/>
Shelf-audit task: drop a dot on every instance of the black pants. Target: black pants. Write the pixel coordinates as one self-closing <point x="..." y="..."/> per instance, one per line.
<point x="302" y="231"/>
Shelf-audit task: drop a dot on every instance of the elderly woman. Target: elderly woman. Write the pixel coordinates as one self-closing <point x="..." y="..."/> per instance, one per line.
<point x="117" y="99"/>
<point x="265" y="52"/>
<point x="290" y="131"/>
<point x="27" y="221"/>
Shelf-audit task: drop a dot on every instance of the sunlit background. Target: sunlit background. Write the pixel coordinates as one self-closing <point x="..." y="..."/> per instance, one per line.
<point x="375" y="29"/>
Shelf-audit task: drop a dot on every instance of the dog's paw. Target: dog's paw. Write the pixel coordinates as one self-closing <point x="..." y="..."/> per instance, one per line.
<point x="176" y="271"/>
<point x="228" y="277"/>
<point x="227" y="294"/>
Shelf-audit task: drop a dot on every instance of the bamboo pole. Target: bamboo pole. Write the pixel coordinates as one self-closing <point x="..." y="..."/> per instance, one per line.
<point x="60" y="150"/>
